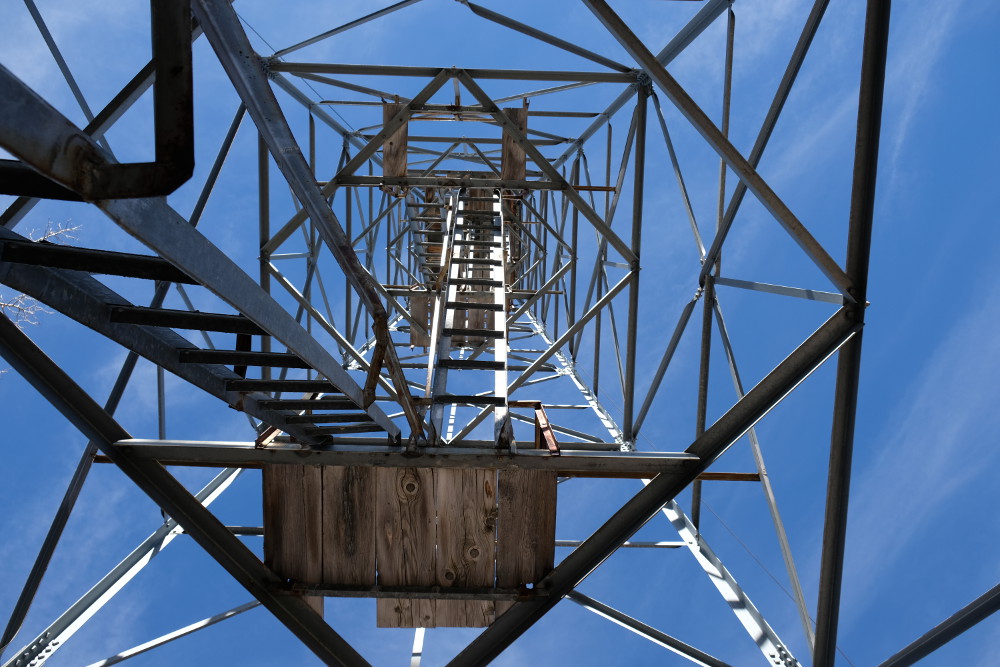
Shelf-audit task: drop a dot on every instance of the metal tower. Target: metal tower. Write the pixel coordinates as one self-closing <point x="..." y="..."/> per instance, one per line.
<point x="420" y="323"/>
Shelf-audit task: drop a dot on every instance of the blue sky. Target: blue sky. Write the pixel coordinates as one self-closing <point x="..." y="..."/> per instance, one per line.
<point x="921" y="526"/>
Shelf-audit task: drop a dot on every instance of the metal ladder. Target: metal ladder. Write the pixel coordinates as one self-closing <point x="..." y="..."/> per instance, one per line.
<point x="470" y="311"/>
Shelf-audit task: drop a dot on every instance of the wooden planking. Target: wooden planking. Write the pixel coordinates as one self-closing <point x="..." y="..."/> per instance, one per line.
<point x="421" y="526"/>
<point x="420" y="309"/>
<point x="293" y="524"/>
<point x="348" y="526"/>
<point x="467" y="512"/>
<point x="404" y="543"/>
<point x="512" y="158"/>
<point x="526" y="528"/>
<point x="394" y="149"/>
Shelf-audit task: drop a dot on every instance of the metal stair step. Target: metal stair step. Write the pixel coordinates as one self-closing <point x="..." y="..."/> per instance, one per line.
<point x="183" y="319"/>
<point x="347" y="428"/>
<point x="308" y="404"/>
<point x="346" y="417"/>
<point x="315" y="386"/>
<point x="240" y="358"/>
<point x="103" y="262"/>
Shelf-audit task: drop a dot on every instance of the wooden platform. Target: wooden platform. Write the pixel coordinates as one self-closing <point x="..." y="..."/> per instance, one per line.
<point x="356" y="527"/>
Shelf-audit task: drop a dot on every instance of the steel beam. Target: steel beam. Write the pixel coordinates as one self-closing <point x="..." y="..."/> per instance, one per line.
<point x="77" y="406"/>
<point x="765" y="483"/>
<point x="646" y="631"/>
<point x="978" y="610"/>
<point x="347" y="26"/>
<point x="704" y="18"/>
<point x="569" y="192"/>
<point x="89" y="301"/>
<point x="775" y="651"/>
<point x="475" y="73"/>
<point x="661" y="370"/>
<point x="845" y="406"/>
<point x="59" y="521"/>
<point x="244" y="454"/>
<point x="54" y="637"/>
<point x="721" y="145"/>
<point x="767" y="128"/>
<point x="644" y="505"/>
<point x="176" y="634"/>
<point x="224" y="32"/>
<point x="632" y="330"/>
<point x="543" y="36"/>
<point x="39" y="135"/>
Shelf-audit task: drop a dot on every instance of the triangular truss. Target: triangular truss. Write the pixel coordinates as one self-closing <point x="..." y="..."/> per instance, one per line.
<point x="484" y="271"/>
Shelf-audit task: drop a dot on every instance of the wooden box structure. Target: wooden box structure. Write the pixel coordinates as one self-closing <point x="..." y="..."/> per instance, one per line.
<point x="395" y="532"/>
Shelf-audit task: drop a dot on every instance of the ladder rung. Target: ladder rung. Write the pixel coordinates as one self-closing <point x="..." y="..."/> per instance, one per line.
<point x="485" y="244"/>
<point x="469" y="305"/>
<point x="480" y="333"/>
<point x="474" y="400"/>
<point x="477" y="260"/>
<point x="472" y="364"/>
<point x="483" y="282"/>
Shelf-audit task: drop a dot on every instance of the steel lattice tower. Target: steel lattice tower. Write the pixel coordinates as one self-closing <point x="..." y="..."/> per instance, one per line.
<point x="416" y="313"/>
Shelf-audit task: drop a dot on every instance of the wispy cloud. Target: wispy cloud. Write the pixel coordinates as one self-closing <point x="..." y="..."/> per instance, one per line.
<point x="913" y="66"/>
<point x="938" y="426"/>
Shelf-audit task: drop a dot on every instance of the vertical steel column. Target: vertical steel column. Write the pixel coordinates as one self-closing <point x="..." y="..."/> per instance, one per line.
<point x="597" y="320"/>
<point x="849" y="358"/>
<point x="574" y="232"/>
<point x="264" y="224"/>
<point x="702" y="409"/>
<point x="348" y="294"/>
<point x="709" y="303"/>
<point x="639" y="167"/>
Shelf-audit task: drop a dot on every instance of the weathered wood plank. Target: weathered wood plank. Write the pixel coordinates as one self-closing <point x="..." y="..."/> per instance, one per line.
<point x="526" y="528"/>
<point x="348" y="526"/>
<point x="293" y="524"/>
<point x="512" y="158"/>
<point x="466" y="502"/>
<point x="405" y="543"/>
<point x="420" y="309"/>
<point x="394" y="148"/>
